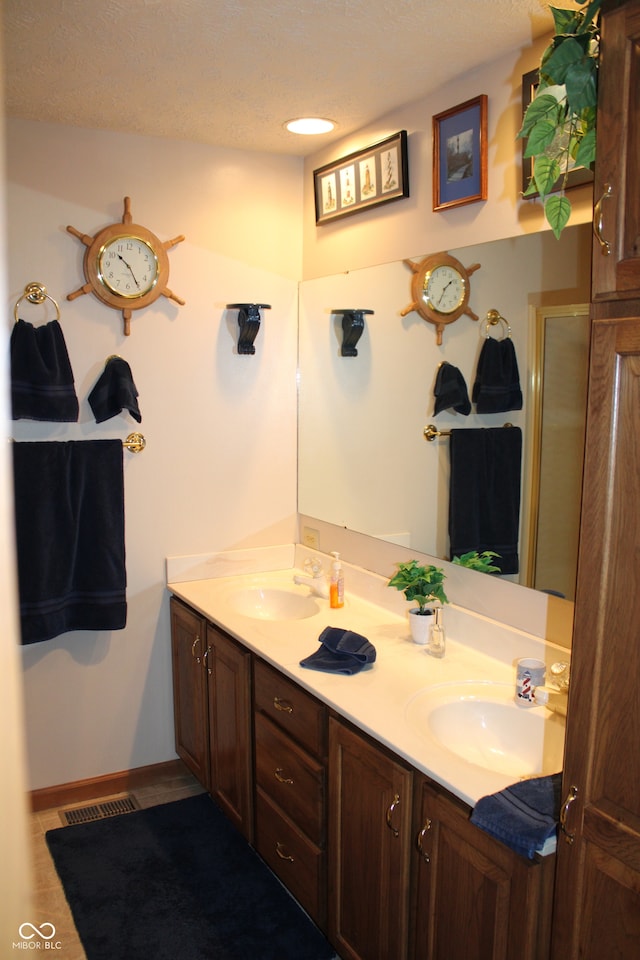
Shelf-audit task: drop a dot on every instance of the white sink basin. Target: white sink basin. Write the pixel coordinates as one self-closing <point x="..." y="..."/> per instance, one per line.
<point x="481" y="723"/>
<point x="271" y="603"/>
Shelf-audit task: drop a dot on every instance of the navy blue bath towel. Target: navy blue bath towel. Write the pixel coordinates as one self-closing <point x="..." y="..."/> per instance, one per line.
<point x="496" y="388"/>
<point x="42" y="386"/>
<point x="524" y="815"/>
<point x="69" y="512"/>
<point x="484" y="493"/>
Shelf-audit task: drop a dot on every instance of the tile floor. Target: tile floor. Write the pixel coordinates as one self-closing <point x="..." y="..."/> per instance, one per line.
<point x="49" y="900"/>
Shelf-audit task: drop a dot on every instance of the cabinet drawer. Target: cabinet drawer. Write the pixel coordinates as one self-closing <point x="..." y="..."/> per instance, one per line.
<point x="290" y="777"/>
<point x="297" y="712"/>
<point x="293" y="858"/>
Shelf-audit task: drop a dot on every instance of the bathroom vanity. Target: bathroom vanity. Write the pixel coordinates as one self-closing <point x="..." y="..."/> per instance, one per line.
<point x="337" y="783"/>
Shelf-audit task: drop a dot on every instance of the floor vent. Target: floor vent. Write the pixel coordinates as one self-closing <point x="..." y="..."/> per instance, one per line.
<point x="99" y="811"/>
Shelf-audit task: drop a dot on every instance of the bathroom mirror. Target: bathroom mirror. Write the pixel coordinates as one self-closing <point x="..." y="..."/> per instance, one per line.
<point x="364" y="463"/>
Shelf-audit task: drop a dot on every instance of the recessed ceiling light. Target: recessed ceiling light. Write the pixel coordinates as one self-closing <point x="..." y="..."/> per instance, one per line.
<point x="310" y="125"/>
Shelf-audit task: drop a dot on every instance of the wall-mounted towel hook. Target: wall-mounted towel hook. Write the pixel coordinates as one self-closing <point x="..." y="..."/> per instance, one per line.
<point x="249" y="323"/>
<point x="35" y="292"/>
<point x="493" y="318"/>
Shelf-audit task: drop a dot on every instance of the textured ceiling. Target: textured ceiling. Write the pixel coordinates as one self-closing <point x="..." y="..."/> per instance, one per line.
<point x="231" y="72"/>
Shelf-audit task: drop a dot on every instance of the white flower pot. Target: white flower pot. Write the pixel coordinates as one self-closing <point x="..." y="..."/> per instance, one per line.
<point x="420" y="624"/>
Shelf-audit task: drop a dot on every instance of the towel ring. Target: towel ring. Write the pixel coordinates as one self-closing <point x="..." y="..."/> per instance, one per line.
<point x="492" y="318"/>
<point x="35" y="293"/>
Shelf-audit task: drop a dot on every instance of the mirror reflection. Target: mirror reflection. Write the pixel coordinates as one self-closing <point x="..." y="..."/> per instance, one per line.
<point x="364" y="462"/>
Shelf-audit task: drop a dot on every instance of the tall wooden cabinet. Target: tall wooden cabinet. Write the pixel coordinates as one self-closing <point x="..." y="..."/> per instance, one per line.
<point x="597" y="899"/>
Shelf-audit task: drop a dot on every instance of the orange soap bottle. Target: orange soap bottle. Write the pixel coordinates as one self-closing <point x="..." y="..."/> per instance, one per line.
<point x="336" y="583"/>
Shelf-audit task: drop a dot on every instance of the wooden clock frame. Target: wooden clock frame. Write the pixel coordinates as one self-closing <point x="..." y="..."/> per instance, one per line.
<point x="421" y="274"/>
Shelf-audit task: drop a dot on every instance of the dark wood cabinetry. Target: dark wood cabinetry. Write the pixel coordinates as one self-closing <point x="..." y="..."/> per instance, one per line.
<point x="597" y="899"/>
<point x="212" y="712"/>
<point x="290" y="771"/>
<point x="369" y="847"/>
<point x="473" y="897"/>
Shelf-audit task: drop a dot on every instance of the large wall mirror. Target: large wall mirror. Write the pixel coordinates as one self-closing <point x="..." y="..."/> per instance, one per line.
<point x="364" y="463"/>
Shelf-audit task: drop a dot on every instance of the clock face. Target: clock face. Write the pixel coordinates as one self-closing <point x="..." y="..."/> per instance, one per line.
<point x="444" y="289"/>
<point x="128" y="266"/>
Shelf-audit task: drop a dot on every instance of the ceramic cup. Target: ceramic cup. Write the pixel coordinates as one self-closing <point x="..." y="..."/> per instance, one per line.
<point x="529" y="675"/>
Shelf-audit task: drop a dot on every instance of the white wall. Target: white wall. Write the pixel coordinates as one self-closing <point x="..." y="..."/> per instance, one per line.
<point x="409" y="227"/>
<point x="219" y="470"/>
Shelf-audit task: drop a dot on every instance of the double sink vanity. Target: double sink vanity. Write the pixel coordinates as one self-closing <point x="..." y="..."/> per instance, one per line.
<point x="357" y="789"/>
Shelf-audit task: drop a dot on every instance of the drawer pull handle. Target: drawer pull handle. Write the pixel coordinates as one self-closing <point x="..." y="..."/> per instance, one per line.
<point x="564" y="813"/>
<point x="193" y="650"/>
<point x="425" y="829"/>
<point x="282" y="705"/>
<point x="392" y="806"/>
<point x="281" y="853"/>
<point x="280" y="778"/>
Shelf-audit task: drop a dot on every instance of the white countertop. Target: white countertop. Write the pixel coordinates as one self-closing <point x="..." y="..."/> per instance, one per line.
<point x="377" y="699"/>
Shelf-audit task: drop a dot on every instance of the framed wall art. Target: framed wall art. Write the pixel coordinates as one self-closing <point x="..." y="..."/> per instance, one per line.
<point x="577" y="175"/>
<point x="460" y="154"/>
<point x="378" y="174"/>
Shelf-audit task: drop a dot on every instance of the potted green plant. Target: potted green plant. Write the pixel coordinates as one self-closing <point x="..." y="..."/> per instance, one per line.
<point x="482" y="562"/>
<point x="423" y="584"/>
<point x="559" y="124"/>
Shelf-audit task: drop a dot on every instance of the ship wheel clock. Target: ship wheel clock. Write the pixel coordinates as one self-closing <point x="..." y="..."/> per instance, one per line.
<point x="126" y="266"/>
<point x="440" y="288"/>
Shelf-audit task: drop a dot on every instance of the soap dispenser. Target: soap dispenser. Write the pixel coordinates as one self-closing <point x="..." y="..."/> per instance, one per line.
<point x="336" y="584"/>
<point x="436" y="642"/>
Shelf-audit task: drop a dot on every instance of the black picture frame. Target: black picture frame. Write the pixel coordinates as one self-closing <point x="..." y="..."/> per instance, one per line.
<point x="460" y="154"/>
<point x="367" y="178"/>
<point x="577" y="177"/>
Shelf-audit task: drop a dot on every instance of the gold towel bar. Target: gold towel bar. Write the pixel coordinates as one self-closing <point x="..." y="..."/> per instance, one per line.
<point x="431" y="432"/>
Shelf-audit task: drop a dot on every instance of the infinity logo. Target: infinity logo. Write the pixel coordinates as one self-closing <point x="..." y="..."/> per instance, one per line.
<point x="37" y="931"/>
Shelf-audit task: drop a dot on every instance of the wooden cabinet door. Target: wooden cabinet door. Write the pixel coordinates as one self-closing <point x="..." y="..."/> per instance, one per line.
<point x="228" y="667"/>
<point x="597" y="900"/>
<point x="369" y="837"/>
<point x="616" y="259"/>
<point x="188" y="640"/>
<point x="474" y="898"/>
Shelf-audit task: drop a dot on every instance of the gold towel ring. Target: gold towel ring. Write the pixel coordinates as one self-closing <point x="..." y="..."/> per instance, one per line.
<point x="492" y="318"/>
<point x="35" y="293"/>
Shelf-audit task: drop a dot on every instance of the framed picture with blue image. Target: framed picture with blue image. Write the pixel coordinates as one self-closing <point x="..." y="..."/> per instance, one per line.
<point x="460" y="154"/>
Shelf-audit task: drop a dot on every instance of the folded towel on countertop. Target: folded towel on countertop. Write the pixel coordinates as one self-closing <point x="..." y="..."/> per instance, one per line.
<point x="114" y="392"/>
<point x="340" y="651"/>
<point x="451" y="390"/>
<point x="497" y="385"/>
<point x="69" y="512"/>
<point x="524" y="815"/>
<point x="42" y="385"/>
<point x="484" y="493"/>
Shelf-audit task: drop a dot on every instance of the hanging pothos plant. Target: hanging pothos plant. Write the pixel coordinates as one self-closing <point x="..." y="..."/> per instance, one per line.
<point x="560" y="122"/>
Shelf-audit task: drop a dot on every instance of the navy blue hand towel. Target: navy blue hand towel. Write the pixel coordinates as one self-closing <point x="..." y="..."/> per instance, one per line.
<point x="340" y="651"/>
<point x="451" y="390"/>
<point x="522" y="816"/>
<point x="497" y="385"/>
<point x="69" y="506"/>
<point x="114" y="391"/>
<point x="484" y="493"/>
<point x="42" y="385"/>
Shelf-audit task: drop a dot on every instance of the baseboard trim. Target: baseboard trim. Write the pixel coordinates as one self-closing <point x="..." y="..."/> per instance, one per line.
<point x="95" y="787"/>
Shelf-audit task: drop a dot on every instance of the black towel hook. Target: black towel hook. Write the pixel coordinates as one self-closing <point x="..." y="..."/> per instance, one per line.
<point x="35" y="292"/>
<point x="493" y="318"/>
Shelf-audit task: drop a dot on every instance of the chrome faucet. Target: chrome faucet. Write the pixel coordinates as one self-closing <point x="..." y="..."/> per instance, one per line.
<point x="317" y="582"/>
<point x="554" y="694"/>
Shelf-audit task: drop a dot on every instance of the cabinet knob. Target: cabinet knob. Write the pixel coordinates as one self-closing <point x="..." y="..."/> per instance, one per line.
<point x="420" y="840"/>
<point x="281" y="852"/>
<point x="392" y="806"/>
<point x="282" y="705"/>
<point x="279" y="776"/>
